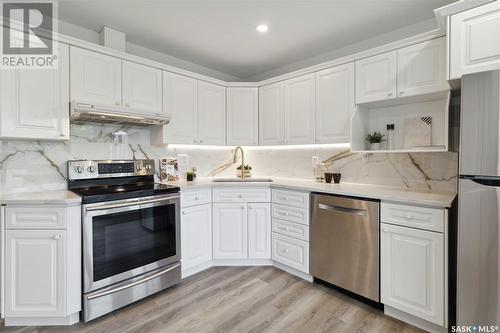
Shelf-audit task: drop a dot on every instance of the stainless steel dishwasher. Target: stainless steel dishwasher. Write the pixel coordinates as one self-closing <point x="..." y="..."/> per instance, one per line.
<point x="345" y="243"/>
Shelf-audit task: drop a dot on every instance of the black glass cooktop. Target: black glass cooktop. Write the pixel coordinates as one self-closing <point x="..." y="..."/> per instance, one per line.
<point x="117" y="189"/>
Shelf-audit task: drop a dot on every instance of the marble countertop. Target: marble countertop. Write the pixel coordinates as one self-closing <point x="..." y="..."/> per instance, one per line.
<point x="52" y="197"/>
<point x="383" y="193"/>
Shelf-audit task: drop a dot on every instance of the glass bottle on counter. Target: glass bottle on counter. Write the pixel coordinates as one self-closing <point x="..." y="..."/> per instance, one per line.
<point x="390" y="137"/>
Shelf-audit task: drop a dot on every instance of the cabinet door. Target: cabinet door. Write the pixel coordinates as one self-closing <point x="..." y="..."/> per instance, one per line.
<point x="95" y="77"/>
<point x="142" y="88"/>
<point x="300" y="101"/>
<point x="422" y="68"/>
<point x="334" y="104"/>
<point x="35" y="279"/>
<point x="34" y="103"/>
<point x="242" y="116"/>
<point x="196" y="235"/>
<point x="271" y="115"/>
<point x="259" y="230"/>
<point x="180" y="103"/>
<point x="211" y="114"/>
<point x="230" y="231"/>
<point x="475" y="40"/>
<point x="415" y="285"/>
<point x="376" y="77"/>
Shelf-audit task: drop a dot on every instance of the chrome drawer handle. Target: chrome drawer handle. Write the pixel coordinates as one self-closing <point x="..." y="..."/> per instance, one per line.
<point x="120" y="288"/>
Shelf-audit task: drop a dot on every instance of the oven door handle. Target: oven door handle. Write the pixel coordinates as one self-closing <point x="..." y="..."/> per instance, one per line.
<point x="123" y="287"/>
<point x="126" y="204"/>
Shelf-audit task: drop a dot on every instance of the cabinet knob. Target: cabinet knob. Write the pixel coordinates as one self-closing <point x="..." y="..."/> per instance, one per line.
<point x="409" y="217"/>
<point x="58" y="236"/>
<point x="240" y="196"/>
<point x="183" y="212"/>
<point x="196" y="198"/>
<point x="62" y="135"/>
<point x="194" y="141"/>
<point x="385" y="229"/>
<point x="286" y="198"/>
<point x="242" y="207"/>
<point x="117" y="103"/>
<point x="389" y="94"/>
<point x="127" y="104"/>
<point x="201" y="141"/>
<point x="249" y="207"/>
<point x="401" y="92"/>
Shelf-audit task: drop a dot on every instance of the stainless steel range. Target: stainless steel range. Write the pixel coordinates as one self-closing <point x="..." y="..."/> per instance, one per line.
<point x="131" y="233"/>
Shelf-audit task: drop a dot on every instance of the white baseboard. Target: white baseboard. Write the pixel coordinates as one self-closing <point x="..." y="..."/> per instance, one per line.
<point x="43" y="321"/>
<point x="196" y="269"/>
<point x="412" y="320"/>
<point x="293" y="271"/>
<point x="242" y="262"/>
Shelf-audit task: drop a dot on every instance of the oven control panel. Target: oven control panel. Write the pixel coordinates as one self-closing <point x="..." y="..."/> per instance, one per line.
<point x="88" y="169"/>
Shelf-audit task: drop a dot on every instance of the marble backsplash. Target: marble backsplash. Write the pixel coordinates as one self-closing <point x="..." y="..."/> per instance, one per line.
<point x="38" y="165"/>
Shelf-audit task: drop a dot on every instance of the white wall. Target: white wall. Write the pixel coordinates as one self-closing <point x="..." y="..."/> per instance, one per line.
<point x="93" y="37"/>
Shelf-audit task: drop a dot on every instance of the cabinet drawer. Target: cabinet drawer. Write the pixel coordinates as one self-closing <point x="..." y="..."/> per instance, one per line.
<point x="196" y="197"/>
<point x="291" y="198"/>
<point x="291" y="252"/>
<point x="35" y="217"/>
<point x="242" y="195"/>
<point x="291" y="229"/>
<point x="412" y="216"/>
<point x="292" y="214"/>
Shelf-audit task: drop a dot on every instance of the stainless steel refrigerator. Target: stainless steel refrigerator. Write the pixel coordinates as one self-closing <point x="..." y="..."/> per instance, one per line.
<point x="478" y="253"/>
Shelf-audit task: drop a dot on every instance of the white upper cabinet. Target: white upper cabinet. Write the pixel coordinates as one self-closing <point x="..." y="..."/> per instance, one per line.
<point x="422" y="68"/>
<point x="34" y="103"/>
<point x="334" y="104"/>
<point x="271" y="115"/>
<point x="412" y="270"/>
<point x="475" y="40"/>
<point x="299" y="104"/>
<point x="95" y="78"/>
<point x="142" y="88"/>
<point x="180" y="103"/>
<point x="242" y="116"/>
<point x="376" y="77"/>
<point x="230" y="231"/>
<point x="211" y="114"/>
<point x="259" y="230"/>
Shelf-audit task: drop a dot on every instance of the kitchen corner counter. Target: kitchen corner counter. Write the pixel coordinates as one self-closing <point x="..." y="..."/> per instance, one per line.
<point x="52" y="197"/>
<point x="384" y="193"/>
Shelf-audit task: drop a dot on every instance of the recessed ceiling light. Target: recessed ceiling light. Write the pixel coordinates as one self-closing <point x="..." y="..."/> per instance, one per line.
<point x="262" y="28"/>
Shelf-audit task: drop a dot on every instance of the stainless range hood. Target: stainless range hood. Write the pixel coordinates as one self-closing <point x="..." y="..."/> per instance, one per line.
<point x="88" y="112"/>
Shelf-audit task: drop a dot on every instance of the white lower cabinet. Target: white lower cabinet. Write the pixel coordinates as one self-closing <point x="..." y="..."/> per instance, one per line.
<point x="259" y="230"/>
<point x="230" y="231"/>
<point x="196" y="237"/>
<point x="42" y="273"/>
<point x="291" y="252"/>
<point x="36" y="273"/>
<point x="413" y="272"/>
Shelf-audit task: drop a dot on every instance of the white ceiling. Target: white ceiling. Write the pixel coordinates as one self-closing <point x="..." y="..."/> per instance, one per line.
<point x="221" y="35"/>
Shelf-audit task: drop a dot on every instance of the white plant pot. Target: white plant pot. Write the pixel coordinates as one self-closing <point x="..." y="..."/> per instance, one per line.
<point x="375" y="146"/>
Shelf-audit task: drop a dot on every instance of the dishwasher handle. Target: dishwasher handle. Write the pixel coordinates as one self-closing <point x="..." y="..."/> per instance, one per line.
<point x="340" y="209"/>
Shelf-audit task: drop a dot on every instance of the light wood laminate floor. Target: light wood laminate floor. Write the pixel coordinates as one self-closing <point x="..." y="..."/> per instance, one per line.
<point x="240" y="299"/>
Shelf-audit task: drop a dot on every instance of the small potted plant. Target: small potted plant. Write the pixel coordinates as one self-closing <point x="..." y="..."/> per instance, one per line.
<point x="374" y="140"/>
<point x="191" y="175"/>
<point x="247" y="171"/>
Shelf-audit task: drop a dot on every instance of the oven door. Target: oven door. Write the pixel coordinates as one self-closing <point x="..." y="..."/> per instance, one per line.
<point x="126" y="238"/>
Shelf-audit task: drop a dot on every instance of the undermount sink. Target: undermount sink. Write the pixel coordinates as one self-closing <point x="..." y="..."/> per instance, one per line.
<point x="239" y="180"/>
